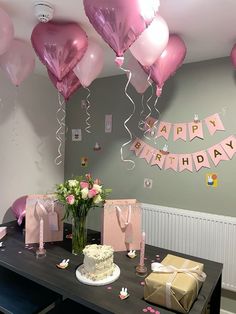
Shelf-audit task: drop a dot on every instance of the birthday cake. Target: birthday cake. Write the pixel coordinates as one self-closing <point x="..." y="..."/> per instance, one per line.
<point x="98" y="262"/>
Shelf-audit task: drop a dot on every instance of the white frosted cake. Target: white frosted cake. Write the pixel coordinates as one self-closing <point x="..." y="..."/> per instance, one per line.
<point x="98" y="261"/>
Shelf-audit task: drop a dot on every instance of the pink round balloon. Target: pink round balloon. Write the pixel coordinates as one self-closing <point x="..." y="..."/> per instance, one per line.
<point x="59" y="46"/>
<point x="69" y="84"/>
<point x="151" y="43"/>
<point x="18" y="62"/>
<point x="139" y="78"/>
<point x="18" y="208"/>
<point x="90" y="65"/>
<point x="233" y="56"/>
<point x="120" y="22"/>
<point x="169" y="61"/>
<point x="6" y="31"/>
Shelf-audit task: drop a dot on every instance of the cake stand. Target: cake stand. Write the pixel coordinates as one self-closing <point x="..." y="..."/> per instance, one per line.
<point x="105" y="281"/>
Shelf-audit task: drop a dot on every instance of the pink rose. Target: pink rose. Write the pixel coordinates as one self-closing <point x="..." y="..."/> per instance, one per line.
<point x="92" y="193"/>
<point x="84" y="185"/>
<point x="70" y="199"/>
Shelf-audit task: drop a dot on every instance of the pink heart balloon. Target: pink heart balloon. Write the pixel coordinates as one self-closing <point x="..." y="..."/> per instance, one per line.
<point x="120" y="22"/>
<point x="69" y="84"/>
<point x="168" y="62"/>
<point x="59" y="46"/>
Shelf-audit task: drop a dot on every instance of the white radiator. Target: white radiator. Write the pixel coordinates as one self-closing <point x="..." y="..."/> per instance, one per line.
<point x="199" y="234"/>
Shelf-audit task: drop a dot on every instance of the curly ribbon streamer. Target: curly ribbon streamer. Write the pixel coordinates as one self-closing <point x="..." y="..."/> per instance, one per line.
<point x="60" y="131"/>
<point x="127" y="120"/>
<point x="150" y="111"/>
<point x="87" y="111"/>
<point x="141" y="123"/>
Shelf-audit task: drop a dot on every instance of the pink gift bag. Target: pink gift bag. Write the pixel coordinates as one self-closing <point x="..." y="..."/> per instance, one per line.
<point x="51" y="211"/>
<point x="121" y="224"/>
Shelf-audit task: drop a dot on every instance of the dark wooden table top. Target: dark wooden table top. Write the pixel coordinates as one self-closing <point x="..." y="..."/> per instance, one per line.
<point x="22" y="260"/>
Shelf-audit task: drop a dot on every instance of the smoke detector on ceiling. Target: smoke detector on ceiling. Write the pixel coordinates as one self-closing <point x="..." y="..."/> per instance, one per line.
<point x="43" y="11"/>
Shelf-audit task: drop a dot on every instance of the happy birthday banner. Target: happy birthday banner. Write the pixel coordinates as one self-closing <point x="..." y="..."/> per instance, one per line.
<point x="224" y="150"/>
<point x="195" y="128"/>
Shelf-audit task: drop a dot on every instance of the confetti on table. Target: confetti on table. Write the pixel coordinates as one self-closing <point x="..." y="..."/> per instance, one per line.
<point x="157" y="255"/>
<point x="145" y="258"/>
<point x="145" y="310"/>
<point x="2" y="250"/>
<point x="19" y="252"/>
<point x="142" y="283"/>
<point x="109" y="288"/>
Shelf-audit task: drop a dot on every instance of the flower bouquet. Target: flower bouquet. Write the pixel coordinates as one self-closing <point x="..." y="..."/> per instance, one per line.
<point x="78" y="196"/>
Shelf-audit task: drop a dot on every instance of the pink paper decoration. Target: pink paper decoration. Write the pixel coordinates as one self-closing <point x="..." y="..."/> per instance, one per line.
<point x="158" y="159"/>
<point x="200" y="160"/>
<point x="171" y="162"/>
<point x="229" y="146"/>
<point x="137" y="146"/>
<point x="147" y="153"/>
<point x="180" y="131"/>
<point x="214" y="123"/>
<point x="164" y="129"/>
<point x="195" y="130"/>
<point x="185" y="162"/>
<point x="217" y="154"/>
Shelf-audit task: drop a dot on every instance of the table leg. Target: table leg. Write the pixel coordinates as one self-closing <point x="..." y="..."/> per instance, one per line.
<point x="215" y="298"/>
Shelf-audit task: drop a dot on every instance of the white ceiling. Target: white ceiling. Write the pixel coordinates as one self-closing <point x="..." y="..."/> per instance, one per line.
<point x="208" y="27"/>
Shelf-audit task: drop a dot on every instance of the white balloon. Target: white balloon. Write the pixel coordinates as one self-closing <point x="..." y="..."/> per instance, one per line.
<point x="90" y="65"/>
<point x="151" y="43"/>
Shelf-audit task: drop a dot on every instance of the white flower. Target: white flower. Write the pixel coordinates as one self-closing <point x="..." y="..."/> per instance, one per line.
<point x="84" y="193"/>
<point x="72" y="183"/>
<point x="97" y="187"/>
<point x="97" y="199"/>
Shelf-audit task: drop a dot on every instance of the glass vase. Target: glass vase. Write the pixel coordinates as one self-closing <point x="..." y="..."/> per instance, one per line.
<point x="79" y="234"/>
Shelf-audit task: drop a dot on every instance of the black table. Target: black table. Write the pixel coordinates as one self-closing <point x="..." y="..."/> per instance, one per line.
<point x="22" y="260"/>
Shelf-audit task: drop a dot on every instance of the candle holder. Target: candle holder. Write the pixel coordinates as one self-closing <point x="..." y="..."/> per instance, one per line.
<point x="141" y="270"/>
<point x="41" y="252"/>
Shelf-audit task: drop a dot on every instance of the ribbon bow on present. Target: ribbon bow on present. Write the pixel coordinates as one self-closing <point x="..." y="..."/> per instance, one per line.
<point x="194" y="271"/>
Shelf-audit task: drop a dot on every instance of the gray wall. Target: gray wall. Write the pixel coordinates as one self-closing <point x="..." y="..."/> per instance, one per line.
<point x="204" y="88"/>
<point x="27" y="139"/>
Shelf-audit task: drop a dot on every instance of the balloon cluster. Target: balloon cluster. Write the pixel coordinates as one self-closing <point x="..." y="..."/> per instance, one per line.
<point x="16" y="56"/>
<point x="137" y="26"/>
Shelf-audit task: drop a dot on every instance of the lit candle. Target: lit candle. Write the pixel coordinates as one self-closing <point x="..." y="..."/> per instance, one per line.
<point x="41" y="234"/>
<point x="142" y="249"/>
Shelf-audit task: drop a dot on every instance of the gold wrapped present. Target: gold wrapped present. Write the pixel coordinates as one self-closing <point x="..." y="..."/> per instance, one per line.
<point x="174" y="283"/>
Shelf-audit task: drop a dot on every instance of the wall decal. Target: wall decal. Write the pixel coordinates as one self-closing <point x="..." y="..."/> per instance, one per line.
<point x="76" y="135"/>
<point x="84" y="161"/>
<point x="212" y="179"/>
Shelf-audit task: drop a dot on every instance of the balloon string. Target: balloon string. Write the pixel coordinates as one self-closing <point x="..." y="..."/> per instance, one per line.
<point x="141" y="123"/>
<point x="60" y="132"/>
<point x="88" y="105"/>
<point x="147" y="125"/>
<point x="127" y="120"/>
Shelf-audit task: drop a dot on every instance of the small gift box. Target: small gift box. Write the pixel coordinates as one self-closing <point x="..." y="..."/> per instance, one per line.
<point x="175" y="283"/>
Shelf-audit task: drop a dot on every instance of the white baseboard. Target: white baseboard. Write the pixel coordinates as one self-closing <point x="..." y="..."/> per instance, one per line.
<point x="225" y="312"/>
